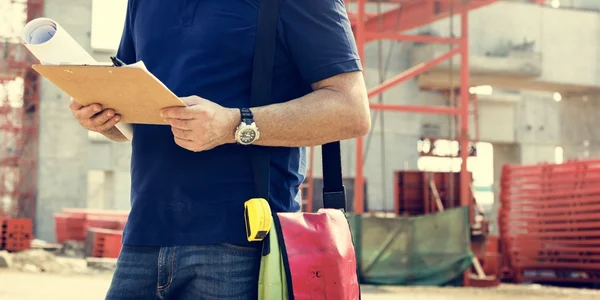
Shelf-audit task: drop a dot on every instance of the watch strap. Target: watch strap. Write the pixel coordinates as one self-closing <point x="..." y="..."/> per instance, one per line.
<point x="247" y="116"/>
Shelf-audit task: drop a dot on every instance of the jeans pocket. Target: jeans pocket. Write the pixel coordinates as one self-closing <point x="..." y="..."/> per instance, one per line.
<point x="240" y="247"/>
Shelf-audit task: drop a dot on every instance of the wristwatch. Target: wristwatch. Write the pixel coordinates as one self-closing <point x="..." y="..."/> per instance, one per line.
<point x="247" y="132"/>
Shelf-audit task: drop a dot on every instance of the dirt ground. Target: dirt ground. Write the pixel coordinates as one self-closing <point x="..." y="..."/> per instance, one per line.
<point x="16" y="285"/>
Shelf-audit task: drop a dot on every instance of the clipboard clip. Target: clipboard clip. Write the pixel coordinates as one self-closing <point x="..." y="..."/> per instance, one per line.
<point x="117" y="62"/>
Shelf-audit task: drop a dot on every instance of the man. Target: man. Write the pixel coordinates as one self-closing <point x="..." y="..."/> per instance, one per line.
<point x="185" y="236"/>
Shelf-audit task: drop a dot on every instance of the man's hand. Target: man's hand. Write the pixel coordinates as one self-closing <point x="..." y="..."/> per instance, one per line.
<point x="94" y="118"/>
<point x="202" y="125"/>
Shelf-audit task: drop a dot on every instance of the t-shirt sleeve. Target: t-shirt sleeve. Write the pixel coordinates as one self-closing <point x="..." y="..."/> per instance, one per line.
<point x="319" y="38"/>
<point x="126" y="50"/>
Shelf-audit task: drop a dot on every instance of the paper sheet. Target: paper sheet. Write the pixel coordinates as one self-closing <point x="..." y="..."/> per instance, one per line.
<point x="52" y="45"/>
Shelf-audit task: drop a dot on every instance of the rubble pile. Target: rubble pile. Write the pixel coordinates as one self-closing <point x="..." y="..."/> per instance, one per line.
<point x="69" y="259"/>
<point x="72" y="249"/>
<point x="5" y="259"/>
<point x="37" y="260"/>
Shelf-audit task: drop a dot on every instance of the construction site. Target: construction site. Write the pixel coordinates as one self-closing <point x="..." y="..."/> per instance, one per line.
<point x="477" y="180"/>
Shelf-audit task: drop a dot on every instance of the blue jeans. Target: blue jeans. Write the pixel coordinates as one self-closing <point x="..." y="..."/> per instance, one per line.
<point x="223" y="271"/>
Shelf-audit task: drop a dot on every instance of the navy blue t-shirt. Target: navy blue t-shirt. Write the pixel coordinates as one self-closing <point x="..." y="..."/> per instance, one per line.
<point x="205" y="48"/>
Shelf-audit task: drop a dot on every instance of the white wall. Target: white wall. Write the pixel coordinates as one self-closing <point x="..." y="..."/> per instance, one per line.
<point x="495" y="122"/>
<point x="569" y="40"/>
<point x="62" y="180"/>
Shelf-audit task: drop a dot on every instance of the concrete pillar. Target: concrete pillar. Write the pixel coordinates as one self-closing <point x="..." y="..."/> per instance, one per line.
<point x="537" y="127"/>
<point x="579" y="135"/>
<point x="120" y="185"/>
<point x="108" y="189"/>
<point x="63" y="143"/>
<point x="95" y="189"/>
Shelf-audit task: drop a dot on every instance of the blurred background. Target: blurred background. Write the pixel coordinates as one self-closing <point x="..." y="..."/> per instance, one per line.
<point x="481" y="173"/>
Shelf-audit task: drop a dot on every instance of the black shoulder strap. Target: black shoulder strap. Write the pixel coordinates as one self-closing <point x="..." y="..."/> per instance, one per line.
<point x="334" y="195"/>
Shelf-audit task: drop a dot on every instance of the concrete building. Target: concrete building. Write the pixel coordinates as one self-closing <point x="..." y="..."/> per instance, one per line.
<point x="542" y="65"/>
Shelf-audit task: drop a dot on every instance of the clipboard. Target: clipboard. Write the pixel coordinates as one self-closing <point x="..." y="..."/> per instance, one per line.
<point x="134" y="93"/>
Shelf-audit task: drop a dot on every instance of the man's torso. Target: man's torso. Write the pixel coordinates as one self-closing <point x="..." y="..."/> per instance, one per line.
<point x="203" y="48"/>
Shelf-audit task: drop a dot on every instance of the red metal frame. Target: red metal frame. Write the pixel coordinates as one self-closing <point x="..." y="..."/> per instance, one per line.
<point x="414" y="13"/>
<point x="370" y="27"/>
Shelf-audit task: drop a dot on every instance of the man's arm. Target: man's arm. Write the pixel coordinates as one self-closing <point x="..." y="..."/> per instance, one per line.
<point x="338" y="109"/>
<point x="319" y="37"/>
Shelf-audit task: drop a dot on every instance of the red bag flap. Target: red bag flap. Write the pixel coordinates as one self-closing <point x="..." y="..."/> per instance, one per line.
<point x="320" y="255"/>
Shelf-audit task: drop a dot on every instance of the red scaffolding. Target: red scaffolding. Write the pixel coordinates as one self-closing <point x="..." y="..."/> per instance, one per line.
<point x="389" y="25"/>
<point x="18" y="114"/>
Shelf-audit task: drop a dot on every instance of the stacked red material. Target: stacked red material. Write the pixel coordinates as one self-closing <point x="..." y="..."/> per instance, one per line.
<point x="69" y="228"/>
<point x="15" y="234"/>
<point x="550" y="222"/>
<point x="73" y="224"/>
<point x="103" y="243"/>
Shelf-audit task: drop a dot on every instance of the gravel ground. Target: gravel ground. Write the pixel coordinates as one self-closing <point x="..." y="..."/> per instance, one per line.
<point x="34" y="286"/>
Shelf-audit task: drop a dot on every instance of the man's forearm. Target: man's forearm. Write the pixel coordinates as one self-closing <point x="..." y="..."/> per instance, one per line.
<point x="337" y="109"/>
<point x="320" y="117"/>
<point x="115" y="135"/>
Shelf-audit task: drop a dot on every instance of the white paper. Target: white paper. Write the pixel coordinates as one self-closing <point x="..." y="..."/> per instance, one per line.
<point x="52" y="45"/>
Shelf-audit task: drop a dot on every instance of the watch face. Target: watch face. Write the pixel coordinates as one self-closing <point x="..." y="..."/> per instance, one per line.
<point x="247" y="135"/>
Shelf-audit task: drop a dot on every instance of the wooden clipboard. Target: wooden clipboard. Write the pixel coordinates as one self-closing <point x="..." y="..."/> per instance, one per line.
<point x="133" y="93"/>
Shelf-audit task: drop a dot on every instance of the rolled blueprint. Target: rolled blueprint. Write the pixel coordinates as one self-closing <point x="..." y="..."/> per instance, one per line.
<point x="52" y="45"/>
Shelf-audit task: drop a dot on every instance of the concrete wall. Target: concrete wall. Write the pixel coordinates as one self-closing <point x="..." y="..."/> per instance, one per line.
<point x="569" y="40"/>
<point x="112" y="159"/>
<point x="65" y="151"/>
<point x="579" y="4"/>
<point x="579" y="134"/>
<point x="62" y="147"/>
